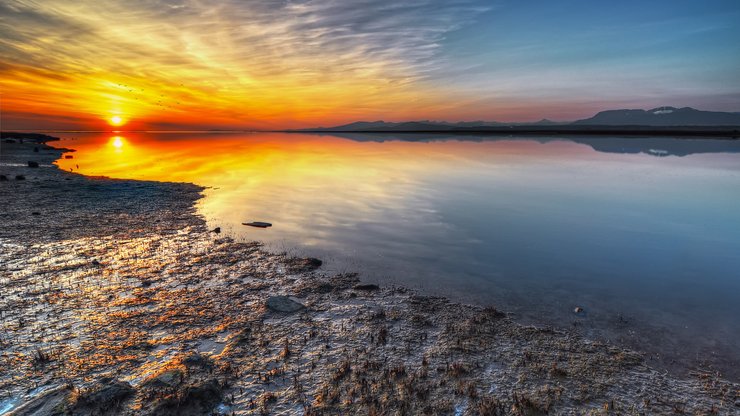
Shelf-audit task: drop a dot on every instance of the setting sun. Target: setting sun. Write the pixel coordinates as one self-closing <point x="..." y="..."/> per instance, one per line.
<point x="116" y="121"/>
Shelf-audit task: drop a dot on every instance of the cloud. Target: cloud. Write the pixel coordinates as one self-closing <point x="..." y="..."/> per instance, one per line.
<point x="237" y="51"/>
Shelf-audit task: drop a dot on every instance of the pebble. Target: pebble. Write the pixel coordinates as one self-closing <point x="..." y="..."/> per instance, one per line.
<point x="258" y="224"/>
<point x="367" y="287"/>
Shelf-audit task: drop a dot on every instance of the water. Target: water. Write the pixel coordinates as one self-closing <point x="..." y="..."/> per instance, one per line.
<point x="643" y="234"/>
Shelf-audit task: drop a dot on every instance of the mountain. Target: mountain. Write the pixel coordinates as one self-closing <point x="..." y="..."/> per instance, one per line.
<point x="359" y="125"/>
<point x="384" y="126"/>
<point x="686" y="118"/>
<point x="662" y="116"/>
<point x="426" y="125"/>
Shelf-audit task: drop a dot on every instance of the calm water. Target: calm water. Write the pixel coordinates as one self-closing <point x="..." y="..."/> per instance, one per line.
<point x="644" y="234"/>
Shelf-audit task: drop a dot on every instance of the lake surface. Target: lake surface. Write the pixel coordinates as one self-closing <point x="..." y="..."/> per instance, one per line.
<point x="643" y="234"/>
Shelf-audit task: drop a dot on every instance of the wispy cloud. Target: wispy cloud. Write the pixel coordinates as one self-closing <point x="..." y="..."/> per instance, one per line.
<point x="239" y="58"/>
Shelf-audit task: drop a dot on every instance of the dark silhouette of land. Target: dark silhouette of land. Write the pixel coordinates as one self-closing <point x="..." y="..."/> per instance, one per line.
<point x="661" y="121"/>
<point x="663" y="116"/>
<point x="704" y="131"/>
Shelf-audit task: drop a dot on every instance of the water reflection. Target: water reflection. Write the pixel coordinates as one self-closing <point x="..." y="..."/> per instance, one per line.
<point x="117" y="142"/>
<point x="655" y="146"/>
<point x="647" y="245"/>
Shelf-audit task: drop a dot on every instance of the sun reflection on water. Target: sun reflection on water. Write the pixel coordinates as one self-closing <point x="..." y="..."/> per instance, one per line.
<point x="117" y="142"/>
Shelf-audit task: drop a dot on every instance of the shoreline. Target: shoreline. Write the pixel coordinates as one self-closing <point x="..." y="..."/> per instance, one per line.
<point x="150" y="310"/>
<point x="708" y="132"/>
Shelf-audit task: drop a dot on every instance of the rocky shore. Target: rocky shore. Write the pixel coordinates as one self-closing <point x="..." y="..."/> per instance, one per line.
<point x="116" y="299"/>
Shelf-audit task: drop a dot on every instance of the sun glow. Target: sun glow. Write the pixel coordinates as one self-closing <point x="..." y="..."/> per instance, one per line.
<point x="116" y="121"/>
<point x="117" y="142"/>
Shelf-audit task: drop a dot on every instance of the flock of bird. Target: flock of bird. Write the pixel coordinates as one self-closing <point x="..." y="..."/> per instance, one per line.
<point x="161" y="102"/>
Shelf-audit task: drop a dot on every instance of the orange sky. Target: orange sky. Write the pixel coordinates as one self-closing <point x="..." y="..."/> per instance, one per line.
<point x="208" y="67"/>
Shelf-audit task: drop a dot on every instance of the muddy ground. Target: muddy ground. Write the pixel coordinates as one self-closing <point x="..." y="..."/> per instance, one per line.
<point x="116" y="299"/>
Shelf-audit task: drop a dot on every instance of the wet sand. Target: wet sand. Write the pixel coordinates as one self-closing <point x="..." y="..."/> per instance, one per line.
<point x="116" y="299"/>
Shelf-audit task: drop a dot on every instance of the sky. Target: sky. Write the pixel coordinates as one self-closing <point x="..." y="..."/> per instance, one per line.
<point x="243" y="64"/>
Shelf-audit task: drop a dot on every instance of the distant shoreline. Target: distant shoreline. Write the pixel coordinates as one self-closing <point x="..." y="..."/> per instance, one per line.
<point x="730" y="133"/>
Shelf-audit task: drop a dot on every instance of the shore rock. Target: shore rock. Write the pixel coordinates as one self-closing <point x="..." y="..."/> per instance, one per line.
<point x="307" y="264"/>
<point x="283" y="304"/>
<point x="105" y="397"/>
<point x="258" y="224"/>
<point x="167" y="378"/>
<point x="184" y="386"/>
<point x="51" y="402"/>
<point x="366" y="287"/>
<point x="193" y="399"/>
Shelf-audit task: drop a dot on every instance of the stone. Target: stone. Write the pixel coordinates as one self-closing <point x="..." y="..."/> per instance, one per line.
<point x="313" y="262"/>
<point x="366" y="287"/>
<point x="305" y="264"/>
<point x="323" y="288"/>
<point x="578" y="310"/>
<point x="191" y="399"/>
<point x="108" y="394"/>
<point x="32" y="164"/>
<point x="217" y="230"/>
<point x="51" y="402"/>
<point x="168" y="378"/>
<point x="258" y="224"/>
<point x="197" y="360"/>
<point x="283" y="304"/>
<point x="20" y="177"/>
<point x="3" y="178"/>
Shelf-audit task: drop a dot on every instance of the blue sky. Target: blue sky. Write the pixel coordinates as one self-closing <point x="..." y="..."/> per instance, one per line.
<point x="598" y="53"/>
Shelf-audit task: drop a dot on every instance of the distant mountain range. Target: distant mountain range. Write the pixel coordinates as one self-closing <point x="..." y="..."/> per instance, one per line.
<point x="657" y="117"/>
<point x="662" y="116"/>
<point x="426" y="125"/>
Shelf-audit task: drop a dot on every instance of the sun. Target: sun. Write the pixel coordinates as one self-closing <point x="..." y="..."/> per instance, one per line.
<point x="116" y="121"/>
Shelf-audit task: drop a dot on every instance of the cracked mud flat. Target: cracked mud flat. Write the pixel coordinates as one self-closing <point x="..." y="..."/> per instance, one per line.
<point x="116" y="299"/>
